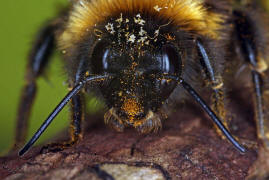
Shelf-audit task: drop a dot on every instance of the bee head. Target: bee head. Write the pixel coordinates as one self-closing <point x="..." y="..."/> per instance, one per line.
<point x="137" y="57"/>
<point x="137" y="42"/>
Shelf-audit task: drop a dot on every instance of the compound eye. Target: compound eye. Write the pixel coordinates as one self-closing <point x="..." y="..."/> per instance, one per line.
<point x="100" y="57"/>
<point x="171" y="61"/>
<point x="171" y="64"/>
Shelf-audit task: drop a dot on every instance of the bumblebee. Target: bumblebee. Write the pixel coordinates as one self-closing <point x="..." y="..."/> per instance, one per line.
<point x="137" y="55"/>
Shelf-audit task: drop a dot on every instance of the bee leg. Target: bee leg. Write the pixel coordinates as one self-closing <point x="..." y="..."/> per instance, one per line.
<point x="252" y="53"/>
<point x="216" y="84"/>
<point x="262" y="129"/>
<point x="38" y="59"/>
<point x="77" y="115"/>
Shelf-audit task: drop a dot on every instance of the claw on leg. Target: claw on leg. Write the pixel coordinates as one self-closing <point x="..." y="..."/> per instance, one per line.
<point x="56" y="147"/>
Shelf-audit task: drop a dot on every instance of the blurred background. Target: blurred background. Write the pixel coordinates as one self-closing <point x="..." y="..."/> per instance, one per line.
<point x="19" y="23"/>
<point x="265" y="4"/>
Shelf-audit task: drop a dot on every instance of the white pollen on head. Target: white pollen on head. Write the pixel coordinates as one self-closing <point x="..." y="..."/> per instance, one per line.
<point x="110" y="28"/>
<point x="142" y="39"/>
<point x="138" y="16"/>
<point x="142" y="22"/>
<point x="139" y="20"/>
<point x="132" y="38"/>
<point x="142" y="32"/>
<point x="157" y="8"/>
<point x="119" y="20"/>
<point x="156" y="33"/>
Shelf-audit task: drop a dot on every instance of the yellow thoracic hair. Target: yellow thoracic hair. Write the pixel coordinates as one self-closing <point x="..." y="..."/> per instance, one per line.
<point x="188" y="15"/>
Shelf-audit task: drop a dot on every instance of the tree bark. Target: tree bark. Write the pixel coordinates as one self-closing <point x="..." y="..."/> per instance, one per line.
<point x="188" y="147"/>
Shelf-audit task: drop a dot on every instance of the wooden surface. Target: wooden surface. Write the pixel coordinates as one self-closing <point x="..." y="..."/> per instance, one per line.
<point x="188" y="147"/>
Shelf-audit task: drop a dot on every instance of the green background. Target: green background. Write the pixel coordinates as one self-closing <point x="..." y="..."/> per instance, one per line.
<point x="19" y="23"/>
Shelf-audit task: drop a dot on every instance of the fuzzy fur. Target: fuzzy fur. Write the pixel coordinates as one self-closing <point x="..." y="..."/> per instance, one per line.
<point x="187" y="15"/>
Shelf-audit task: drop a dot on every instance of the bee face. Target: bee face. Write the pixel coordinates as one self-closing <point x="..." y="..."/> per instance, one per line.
<point x="137" y="49"/>
<point x="136" y="91"/>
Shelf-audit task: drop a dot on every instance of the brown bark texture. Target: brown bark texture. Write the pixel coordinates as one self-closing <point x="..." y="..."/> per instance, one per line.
<point x="188" y="147"/>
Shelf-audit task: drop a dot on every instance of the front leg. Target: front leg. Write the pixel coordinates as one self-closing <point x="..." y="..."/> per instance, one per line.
<point x="37" y="63"/>
<point x="77" y="116"/>
<point x="215" y="83"/>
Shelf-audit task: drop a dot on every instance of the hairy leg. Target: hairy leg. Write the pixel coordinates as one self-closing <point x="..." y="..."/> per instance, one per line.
<point x="38" y="60"/>
<point x="248" y="39"/>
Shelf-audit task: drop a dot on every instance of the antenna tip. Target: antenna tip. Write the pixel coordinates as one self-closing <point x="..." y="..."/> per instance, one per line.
<point x="242" y="149"/>
<point x="22" y="151"/>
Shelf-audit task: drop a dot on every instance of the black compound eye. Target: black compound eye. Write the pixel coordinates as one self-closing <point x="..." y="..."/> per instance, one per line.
<point x="100" y="57"/>
<point x="108" y="59"/>
<point x="171" y="61"/>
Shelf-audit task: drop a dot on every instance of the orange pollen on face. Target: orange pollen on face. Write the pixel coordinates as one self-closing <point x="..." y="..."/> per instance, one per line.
<point x="131" y="107"/>
<point x="170" y="37"/>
